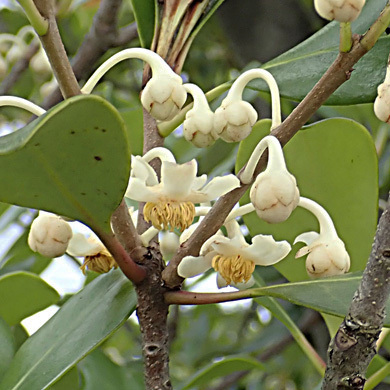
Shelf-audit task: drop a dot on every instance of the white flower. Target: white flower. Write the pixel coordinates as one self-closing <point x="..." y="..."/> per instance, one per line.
<point x="274" y="193"/>
<point x="382" y="101"/>
<point x="233" y="120"/>
<point x="169" y="243"/>
<point x="327" y="255"/>
<point x="40" y="63"/>
<point x="96" y="256"/>
<point x="199" y="123"/>
<point x="233" y="258"/>
<point x="340" y="10"/>
<point x="49" y="235"/>
<point x="164" y="96"/>
<point x="170" y="201"/>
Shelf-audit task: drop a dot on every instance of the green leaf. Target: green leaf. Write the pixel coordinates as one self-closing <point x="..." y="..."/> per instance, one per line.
<point x="20" y="257"/>
<point x="144" y="13"/>
<point x="74" y="160"/>
<point x="297" y="70"/>
<point x="69" y="381"/>
<point x="79" y="326"/>
<point x="335" y="164"/>
<point x="7" y="347"/>
<point x="101" y="373"/>
<point x="24" y="294"/>
<point x="134" y="121"/>
<point x="222" y="368"/>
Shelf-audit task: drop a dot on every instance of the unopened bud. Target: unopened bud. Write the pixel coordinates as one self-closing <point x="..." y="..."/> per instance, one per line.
<point x="382" y="102"/>
<point x="40" y="63"/>
<point x="339" y="10"/>
<point x="274" y="195"/>
<point x="164" y="96"/>
<point x="49" y="235"/>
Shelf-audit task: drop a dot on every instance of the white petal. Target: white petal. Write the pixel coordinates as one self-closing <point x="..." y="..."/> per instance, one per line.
<point x="308" y="238"/>
<point x="191" y="266"/>
<point x="142" y="170"/>
<point x="216" y="187"/>
<point x="244" y="286"/>
<point x="226" y="246"/>
<point x="221" y="282"/>
<point x="177" y="179"/>
<point x="137" y="190"/>
<point x="266" y="251"/>
<point x="199" y="182"/>
<point x="79" y="245"/>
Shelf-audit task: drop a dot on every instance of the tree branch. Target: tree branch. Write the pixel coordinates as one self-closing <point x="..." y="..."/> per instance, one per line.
<point x="354" y="345"/>
<point x="55" y="50"/>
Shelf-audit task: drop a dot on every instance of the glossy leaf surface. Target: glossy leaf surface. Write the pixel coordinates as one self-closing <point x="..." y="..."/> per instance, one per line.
<point x="7" y="347"/>
<point x="82" y="323"/>
<point x="74" y="160"/>
<point x="24" y="294"/>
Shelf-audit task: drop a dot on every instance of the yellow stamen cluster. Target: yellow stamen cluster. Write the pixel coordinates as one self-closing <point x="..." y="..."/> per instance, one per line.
<point x="170" y="215"/>
<point x="234" y="269"/>
<point x="102" y="262"/>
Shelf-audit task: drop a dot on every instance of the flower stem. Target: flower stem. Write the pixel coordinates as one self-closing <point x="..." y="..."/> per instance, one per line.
<point x="275" y="158"/>
<point x="15" y="101"/>
<point x="148" y="235"/>
<point x="154" y="60"/>
<point x="345" y="37"/>
<point x="235" y="92"/>
<point x="162" y="153"/>
<point x="39" y="23"/>
<point x="246" y="209"/>
<point x="324" y="219"/>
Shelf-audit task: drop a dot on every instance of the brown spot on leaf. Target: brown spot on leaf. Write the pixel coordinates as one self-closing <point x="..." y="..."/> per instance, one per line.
<point x="97" y="158"/>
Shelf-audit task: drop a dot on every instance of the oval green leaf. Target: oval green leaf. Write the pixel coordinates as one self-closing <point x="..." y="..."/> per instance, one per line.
<point x="335" y="164"/>
<point x="74" y="161"/>
<point x="144" y="13"/>
<point x="82" y="323"/>
<point x="297" y="70"/>
<point x="24" y="294"/>
<point x="7" y="347"/>
<point x="222" y="368"/>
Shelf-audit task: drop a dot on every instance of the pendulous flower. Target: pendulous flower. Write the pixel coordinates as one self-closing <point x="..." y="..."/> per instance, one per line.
<point x="326" y="252"/>
<point x="340" y="10"/>
<point x="170" y="202"/>
<point x="274" y="194"/>
<point x="49" y="235"/>
<point x="233" y="258"/>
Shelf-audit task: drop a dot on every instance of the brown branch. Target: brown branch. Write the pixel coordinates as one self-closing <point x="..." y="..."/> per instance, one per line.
<point x="55" y="50"/>
<point x="18" y="69"/>
<point x="354" y="345"/>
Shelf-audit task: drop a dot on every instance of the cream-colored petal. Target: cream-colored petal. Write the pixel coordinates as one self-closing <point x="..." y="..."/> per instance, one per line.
<point x="264" y="250"/>
<point x="137" y="190"/>
<point x="143" y="171"/>
<point x="199" y="182"/>
<point x="191" y="266"/>
<point x="221" y="282"/>
<point x="244" y="285"/>
<point x="308" y="238"/>
<point x="226" y="246"/>
<point x="79" y="245"/>
<point x="177" y="179"/>
<point x="216" y="187"/>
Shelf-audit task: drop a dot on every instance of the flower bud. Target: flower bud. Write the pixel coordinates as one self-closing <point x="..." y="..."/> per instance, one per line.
<point x="233" y="121"/>
<point x="326" y="258"/>
<point x="169" y="243"/>
<point x="14" y="54"/>
<point x="382" y="102"/>
<point x="164" y="96"/>
<point x="274" y="195"/>
<point x="40" y="63"/>
<point x="49" y="235"/>
<point x="199" y="123"/>
<point x="340" y="10"/>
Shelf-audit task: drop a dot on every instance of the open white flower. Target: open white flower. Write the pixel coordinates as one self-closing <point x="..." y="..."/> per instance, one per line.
<point x="274" y="194"/>
<point x="326" y="252"/>
<point x="96" y="257"/>
<point x="49" y="235"/>
<point x="233" y="258"/>
<point x="170" y="201"/>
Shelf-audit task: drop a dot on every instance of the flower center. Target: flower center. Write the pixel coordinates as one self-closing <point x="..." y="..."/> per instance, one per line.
<point x="102" y="262"/>
<point x="170" y="215"/>
<point x="234" y="269"/>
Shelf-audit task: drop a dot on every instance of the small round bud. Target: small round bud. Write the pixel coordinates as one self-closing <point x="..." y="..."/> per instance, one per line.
<point x="169" y="243"/>
<point x="339" y="10"/>
<point x="198" y="128"/>
<point x="164" y="96"/>
<point x="40" y="63"/>
<point x="327" y="259"/>
<point x="382" y="102"/>
<point x="274" y="195"/>
<point x="14" y="54"/>
<point x="49" y="235"/>
<point x="233" y="121"/>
